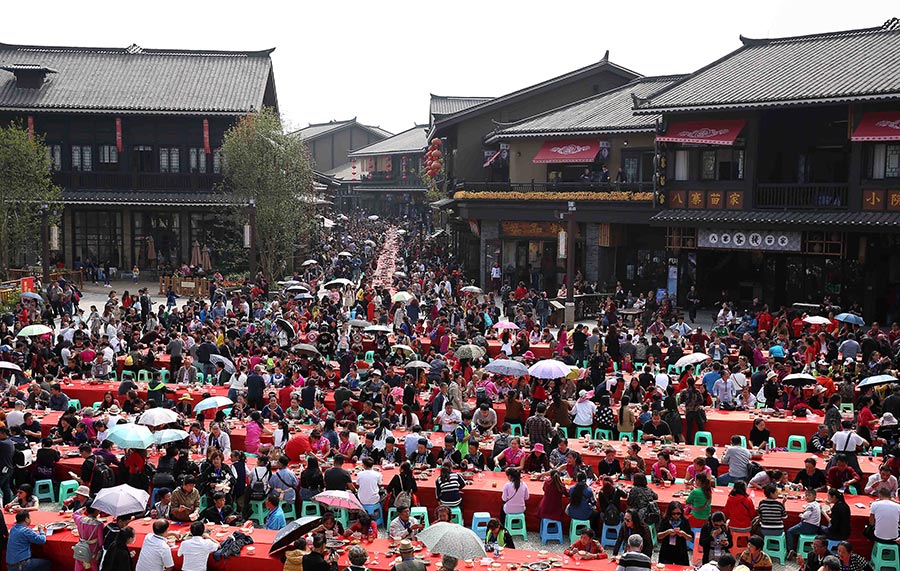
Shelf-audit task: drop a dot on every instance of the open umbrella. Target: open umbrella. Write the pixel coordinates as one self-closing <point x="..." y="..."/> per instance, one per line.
<point x="799" y="379"/>
<point x="294" y="531"/>
<point x="877" y="380"/>
<point x="402" y="297"/>
<point x="469" y="351"/>
<point x="507" y="368"/>
<point x="370" y="243"/>
<point x="226" y="363"/>
<point x="506" y="325"/>
<point x="404" y="348"/>
<point x="345" y="254"/>
<point x="305" y="349"/>
<point x="10" y="366"/>
<point x="297" y="288"/>
<point x="34" y="330"/>
<point x="359" y="323"/>
<point x="309" y="262"/>
<point x="288" y="283"/>
<point x="205" y="260"/>
<point x="850" y="318"/>
<point x="31" y="295"/>
<point x="691" y="359"/>
<point x="401" y="231"/>
<point x="158" y="416"/>
<point x="213" y="403"/>
<point x="121" y="500"/>
<point x="377" y="329"/>
<point x="285" y="326"/>
<point x="816" y="320"/>
<point x="452" y="539"/>
<point x="150" y="337"/>
<point x="339" y="499"/>
<point x="336" y="283"/>
<point x="169" y="435"/>
<point x="196" y="257"/>
<point x="472" y="289"/>
<point x="417" y="365"/>
<point x="304" y="295"/>
<point x="373" y="217"/>
<point x="130" y="435"/>
<point x="549" y="369"/>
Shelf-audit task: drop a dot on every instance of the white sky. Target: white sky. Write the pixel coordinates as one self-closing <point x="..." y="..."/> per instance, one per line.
<point x="378" y="61"/>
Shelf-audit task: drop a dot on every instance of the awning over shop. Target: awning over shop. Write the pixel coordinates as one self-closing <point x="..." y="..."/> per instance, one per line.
<point x="493" y="158"/>
<point x="568" y="151"/>
<point x="713" y="132"/>
<point x="878" y="126"/>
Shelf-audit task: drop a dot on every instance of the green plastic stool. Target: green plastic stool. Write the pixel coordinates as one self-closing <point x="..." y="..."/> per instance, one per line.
<point x="164" y="375"/>
<point x="575" y="528"/>
<point x="796" y="444"/>
<point x="603" y="434"/>
<point x="771" y="445"/>
<point x="564" y="431"/>
<point x="143" y="376"/>
<point x="582" y="430"/>
<point x="515" y="525"/>
<point x="391" y="516"/>
<point x="652" y="527"/>
<point x="76" y="403"/>
<point x="743" y="441"/>
<point x="43" y="490"/>
<point x="805" y="544"/>
<point x="456" y="515"/>
<point x="776" y="547"/>
<point x="67" y="489"/>
<point x="290" y="510"/>
<point x="885" y="556"/>
<point x="258" y="511"/>
<point x="847" y="407"/>
<point x="515" y="430"/>
<point x="96" y="405"/>
<point x="703" y="438"/>
<point x="310" y="508"/>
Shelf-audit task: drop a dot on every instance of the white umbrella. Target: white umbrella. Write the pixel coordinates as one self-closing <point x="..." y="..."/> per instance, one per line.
<point x="507" y="368"/>
<point x="10" y="366"/>
<point x="370" y="243"/>
<point x="359" y="323"/>
<point x="417" y="365"/>
<point x="472" y="289"/>
<point x="344" y="254"/>
<point x="452" y="539"/>
<point x="131" y="436"/>
<point x="169" y="435"/>
<point x="309" y="263"/>
<point x="213" y="403"/>
<point x="121" y="500"/>
<point x="691" y="359"/>
<point x="339" y="282"/>
<point x="402" y="297"/>
<point x="340" y="499"/>
<point x="800" y="377"/>
<point x="469" y="351"/>
<point x="405" y="348"/>
<point x="877" y="380"/>
<point x="157" y="416"/>
<point x="401" y="231"/>
<point x="34" y="330"/>
<point x="288" y="283"/>
<point x="228" y="365"/>
<point x="377" y="329"/>
<point x="549" y="369"/>
<point x="816" y="320"/>
<point x="373" y="217"/>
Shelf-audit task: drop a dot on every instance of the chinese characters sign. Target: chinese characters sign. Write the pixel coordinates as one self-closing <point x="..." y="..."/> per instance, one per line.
<point x="763" y="240"/>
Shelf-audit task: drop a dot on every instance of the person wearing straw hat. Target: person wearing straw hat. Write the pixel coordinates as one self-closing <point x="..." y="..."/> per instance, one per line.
<point x="77" y="501"/>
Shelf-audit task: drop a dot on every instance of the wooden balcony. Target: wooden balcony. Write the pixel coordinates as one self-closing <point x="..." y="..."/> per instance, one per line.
<point x="824" y="196"/>
<point x="75" y="180"/>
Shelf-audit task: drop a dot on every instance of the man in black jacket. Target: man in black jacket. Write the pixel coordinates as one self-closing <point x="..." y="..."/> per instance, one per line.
<point x="256" y="386"/>
<point x="319" y="559"/>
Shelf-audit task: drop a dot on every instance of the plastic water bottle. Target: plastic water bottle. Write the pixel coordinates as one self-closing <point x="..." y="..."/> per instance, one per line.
<point x="496" y="550"/>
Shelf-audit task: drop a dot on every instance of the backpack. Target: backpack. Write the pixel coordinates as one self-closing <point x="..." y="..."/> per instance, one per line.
<point x="259" y="488"/>
<point x="753" y="468"/>
<point x="650" y="513"/>
<point x="102" y="475"/>
<point x="482" y="397"/>
<point x="612" y="516"/>
<point x="82" y="551"/>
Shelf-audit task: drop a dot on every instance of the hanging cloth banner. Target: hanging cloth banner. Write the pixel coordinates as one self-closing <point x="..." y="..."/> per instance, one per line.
<point x="31" y="127"/>
<point x="119" y="146"/>
<point x="206" y="136"/>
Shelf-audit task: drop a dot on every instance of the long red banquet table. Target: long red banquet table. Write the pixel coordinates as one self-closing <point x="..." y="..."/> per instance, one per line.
<point x="58" y="548"/>
<point x="89" y="392"/>
<point x="724" y="423"/>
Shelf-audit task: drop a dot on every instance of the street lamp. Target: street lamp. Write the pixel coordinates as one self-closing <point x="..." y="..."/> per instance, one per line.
<point x="45" y="244"/>
<point x="250" y="236"/>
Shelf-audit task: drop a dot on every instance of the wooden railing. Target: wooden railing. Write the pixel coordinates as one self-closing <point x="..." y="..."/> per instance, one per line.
<point x="9" y="289"/>
<point x="184" y="286"/>
<point x="68" y="274"/>
<point x="556" y="186"/>
<point x="830" y="196"/>
<point x="136" y="181"/>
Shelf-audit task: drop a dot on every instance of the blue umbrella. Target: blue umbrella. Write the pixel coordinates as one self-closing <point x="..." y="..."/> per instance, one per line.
<point x="131" y="436"/>
<point x="850" y="318"/>
<point x="507" y="367"/>
<point x="212" y="403"/>
<point x="169" y="435"/>
<point x="32" y="295"/>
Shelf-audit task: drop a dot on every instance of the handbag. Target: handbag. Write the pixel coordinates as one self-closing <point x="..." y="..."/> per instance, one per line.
<point x="404" y="498"/>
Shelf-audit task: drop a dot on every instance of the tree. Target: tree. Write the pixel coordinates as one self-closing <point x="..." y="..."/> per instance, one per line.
<point x="264" y="165"/>
<point x="25" y="186"/>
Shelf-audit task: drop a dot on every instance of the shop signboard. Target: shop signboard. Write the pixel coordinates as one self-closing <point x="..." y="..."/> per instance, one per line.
<point x="760" y="240"/>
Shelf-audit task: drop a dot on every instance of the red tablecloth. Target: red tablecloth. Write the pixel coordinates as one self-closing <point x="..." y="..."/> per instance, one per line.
<point x="161" y="361"/>
<point x="89" y="393"/>
<point x="723" y="424"/>
<point x="58" y="548"/>
<point x="540" y="350"/>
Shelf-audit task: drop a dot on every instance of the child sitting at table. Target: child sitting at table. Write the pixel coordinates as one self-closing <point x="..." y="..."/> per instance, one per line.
<point x="586" y="543"/>
<point x="712" y="462"/>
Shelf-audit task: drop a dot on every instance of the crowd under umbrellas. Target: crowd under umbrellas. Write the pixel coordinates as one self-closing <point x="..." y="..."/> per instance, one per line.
<point x="373" y="321"/>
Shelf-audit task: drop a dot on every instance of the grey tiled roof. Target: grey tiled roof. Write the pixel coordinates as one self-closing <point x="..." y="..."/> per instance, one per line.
<point x="316" y="130"/>
<point x="446" y="105"/>
<point x="842" y="66"/>
<point x="136" y="80"/>
<point x="145" y="198"/>
<point x="608" y="112"/>
<point x="410" y="141"/>
<point x="779" y="218"/>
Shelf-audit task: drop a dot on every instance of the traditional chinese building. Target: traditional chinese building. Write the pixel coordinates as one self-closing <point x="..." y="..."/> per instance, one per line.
<point x="133" y="136"/>
<point x="781" y="165"/>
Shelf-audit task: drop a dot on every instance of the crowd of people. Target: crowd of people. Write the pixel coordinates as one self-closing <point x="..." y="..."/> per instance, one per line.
<point x="284" y="349"/>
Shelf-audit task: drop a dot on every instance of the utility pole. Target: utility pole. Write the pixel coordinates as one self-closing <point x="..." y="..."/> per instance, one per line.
<point x="252" y="253"/>
<point x="45" y="245"/>
<point x="570" y="265"/>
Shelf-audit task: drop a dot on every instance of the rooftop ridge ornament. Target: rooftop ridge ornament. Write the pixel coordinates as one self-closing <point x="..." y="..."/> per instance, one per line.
<point x="134" y="49"/>
<point x="891" y="24"/>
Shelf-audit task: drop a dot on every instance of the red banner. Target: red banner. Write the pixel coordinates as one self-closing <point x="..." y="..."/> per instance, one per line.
<point x="27" y="285"/>
<point x="206" y="136"/>
<point x="30" y="127"/>
<point x="119" y="134"/>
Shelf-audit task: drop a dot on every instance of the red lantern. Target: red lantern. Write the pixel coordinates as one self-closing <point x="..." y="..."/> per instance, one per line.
<point x="436" y="142"/>
<point x="437" y="155"/>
